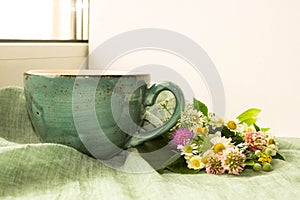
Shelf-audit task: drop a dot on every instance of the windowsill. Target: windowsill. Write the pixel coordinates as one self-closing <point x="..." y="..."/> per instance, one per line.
<point x="18" y="50"/>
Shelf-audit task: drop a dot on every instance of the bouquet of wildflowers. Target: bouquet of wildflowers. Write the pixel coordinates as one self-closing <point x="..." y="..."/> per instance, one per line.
<point x="209" y="143"/>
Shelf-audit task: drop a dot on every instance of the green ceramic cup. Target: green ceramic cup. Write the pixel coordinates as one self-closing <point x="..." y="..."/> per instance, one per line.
<point x="99" y="113"/>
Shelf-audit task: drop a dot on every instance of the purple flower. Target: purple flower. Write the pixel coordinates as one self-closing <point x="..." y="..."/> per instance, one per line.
<point x="181" y="136"/>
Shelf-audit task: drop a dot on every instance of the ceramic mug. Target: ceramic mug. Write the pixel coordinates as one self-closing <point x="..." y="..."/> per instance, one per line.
<point x="99" y="113"/>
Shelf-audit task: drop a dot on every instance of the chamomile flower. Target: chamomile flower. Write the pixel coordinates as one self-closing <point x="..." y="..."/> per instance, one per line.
<point x="271" y="149"/>
<point x="188" y="149"/>
<point x="214" y="121"/>
<point x="206" y="155"/>
<point x="195" y="162"/>
<point x="200" y="139"/>
<point x="200" y="129"/>
<point x="234" y="126"/>
<point x="220" y="144"/>
<point x="247" y="128"/>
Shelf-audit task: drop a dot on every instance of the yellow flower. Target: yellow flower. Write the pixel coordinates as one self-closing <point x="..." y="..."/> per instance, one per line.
<point x="264" y="158"/>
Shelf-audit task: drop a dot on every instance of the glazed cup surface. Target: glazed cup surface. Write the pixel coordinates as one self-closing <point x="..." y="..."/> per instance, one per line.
<point x="96" y="112"/>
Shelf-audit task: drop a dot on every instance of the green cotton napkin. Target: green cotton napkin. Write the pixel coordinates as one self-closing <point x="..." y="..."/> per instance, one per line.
<point x="30" y="169"/>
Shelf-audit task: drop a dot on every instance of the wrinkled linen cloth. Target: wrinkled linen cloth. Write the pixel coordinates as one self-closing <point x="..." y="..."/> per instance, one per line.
<point x="30" y="169"/>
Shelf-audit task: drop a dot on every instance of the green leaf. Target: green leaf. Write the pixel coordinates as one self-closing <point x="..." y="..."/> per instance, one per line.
<point x="264" y="129"/>
<point x="278" y="156"/>
<point x="237" y="139"/>
<point x="249" y="116"/>
<point x="198" y="105"/>
<point x="249" y="121"/>
<point x="180" y="166"/>
<point x="226" y="132"/>
<point x="256" y="127"/>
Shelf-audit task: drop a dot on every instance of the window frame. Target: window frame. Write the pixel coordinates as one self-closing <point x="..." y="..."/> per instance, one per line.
<point x="79" y="20"/>
<point x="31" y="49"/>
<point x="4" y="41"/>
<point x="46" y="50"/>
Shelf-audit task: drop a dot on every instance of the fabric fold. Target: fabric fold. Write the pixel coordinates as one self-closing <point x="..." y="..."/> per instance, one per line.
<point x="30" y="169"/>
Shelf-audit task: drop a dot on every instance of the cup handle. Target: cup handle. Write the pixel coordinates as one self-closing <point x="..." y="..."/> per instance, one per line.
<point x="150" y="99"/>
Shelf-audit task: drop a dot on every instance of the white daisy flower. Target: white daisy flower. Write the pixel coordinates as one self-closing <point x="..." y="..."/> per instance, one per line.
<point x="271" y="149"/>
<point x="195" y="162"/>
<point x="205" y="156"/>
<point x="247" y="128"/>
<point x="200" y="129"/>
<point x="234" y="126"/>
<point x="220" y="144"/>
<point x="188" y="149"/>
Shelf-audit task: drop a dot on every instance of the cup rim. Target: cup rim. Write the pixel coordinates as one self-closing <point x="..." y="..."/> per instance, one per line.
<point x="83" y="72"/>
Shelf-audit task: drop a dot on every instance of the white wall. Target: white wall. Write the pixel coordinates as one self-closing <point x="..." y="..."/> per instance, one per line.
<point x="254" y="44"/>
<point x="16" y="58"/>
